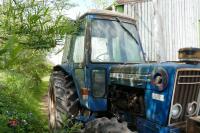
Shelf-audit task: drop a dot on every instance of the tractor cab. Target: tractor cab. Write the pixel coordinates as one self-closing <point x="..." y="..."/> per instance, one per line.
<point x="80" y="85"/>
<point x="103" y="39"/>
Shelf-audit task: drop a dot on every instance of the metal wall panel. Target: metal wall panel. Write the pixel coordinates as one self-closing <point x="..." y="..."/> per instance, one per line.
<point x="180" y="20"/>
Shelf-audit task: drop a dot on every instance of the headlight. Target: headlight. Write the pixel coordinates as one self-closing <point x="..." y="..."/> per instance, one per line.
<point x="98" y="83"/>
<point x="160" y="79"/>
<point x="176" y="111"/>
<point x="192" y="108"/>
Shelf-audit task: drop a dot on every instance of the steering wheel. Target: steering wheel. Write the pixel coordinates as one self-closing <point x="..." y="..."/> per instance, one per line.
<point x="98" y="57"/>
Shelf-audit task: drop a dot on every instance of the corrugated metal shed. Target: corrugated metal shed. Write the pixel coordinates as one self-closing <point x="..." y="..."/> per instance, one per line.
<point x="181" y="24"/>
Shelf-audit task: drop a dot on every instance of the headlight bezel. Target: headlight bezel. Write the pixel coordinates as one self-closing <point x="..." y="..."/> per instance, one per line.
<point x="179" y="113"/>
<point x="192" y="113"/>
<point x="159" y="78"/>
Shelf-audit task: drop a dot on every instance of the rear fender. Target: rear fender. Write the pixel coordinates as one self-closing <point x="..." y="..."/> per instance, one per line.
<point x="66" y="68"/>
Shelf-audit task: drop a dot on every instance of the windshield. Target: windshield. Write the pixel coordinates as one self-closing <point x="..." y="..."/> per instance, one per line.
<point x="110" y="42"/>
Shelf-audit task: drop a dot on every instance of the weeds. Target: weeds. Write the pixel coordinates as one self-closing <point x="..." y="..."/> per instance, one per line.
<point x="28" y="32"/>
<point x="19" y="105"/>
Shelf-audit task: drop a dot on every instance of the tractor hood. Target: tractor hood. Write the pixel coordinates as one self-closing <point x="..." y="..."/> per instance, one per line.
<point x="136" y="75"/>
<point x="139" y="75"/>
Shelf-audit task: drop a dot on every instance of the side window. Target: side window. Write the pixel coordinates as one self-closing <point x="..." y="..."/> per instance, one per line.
<point x="78" y="54"/>
<point x="66" y="49"/>
<point x="99" y="53"/>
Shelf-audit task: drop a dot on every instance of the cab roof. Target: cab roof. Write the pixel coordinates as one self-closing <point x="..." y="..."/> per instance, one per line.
<point x="106" y="13"/>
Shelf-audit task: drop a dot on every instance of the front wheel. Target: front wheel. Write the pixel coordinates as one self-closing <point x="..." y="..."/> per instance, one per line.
<point x="62" y="99"/>
<point x="105" y="125"/>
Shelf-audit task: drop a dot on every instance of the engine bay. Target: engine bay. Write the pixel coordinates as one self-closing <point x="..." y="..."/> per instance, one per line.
<point x="126" y="103"/>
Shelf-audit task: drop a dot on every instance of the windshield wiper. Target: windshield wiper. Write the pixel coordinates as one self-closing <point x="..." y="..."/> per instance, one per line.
<point x="129" y="33"/>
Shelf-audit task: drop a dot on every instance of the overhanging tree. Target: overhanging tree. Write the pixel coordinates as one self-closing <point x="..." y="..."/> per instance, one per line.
<point x="27" y="30"/>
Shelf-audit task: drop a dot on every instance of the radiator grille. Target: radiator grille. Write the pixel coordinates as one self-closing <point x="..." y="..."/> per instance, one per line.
<point x="186" y="90"/>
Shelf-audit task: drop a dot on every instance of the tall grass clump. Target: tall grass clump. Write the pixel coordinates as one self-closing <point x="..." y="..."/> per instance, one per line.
<point x="20" y="104"/>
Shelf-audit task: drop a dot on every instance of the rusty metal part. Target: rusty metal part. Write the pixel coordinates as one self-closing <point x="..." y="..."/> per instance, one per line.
<point x="193" y="125"/>
<point x="189" y="54"/>
<point x="107" y="13"/>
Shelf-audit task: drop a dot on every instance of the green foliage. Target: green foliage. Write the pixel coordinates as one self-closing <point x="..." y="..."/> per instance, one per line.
<point x="31" y="24"/>
<point x="102" y="4"/>
<point x="19" y="102"/>
<point x="28" y="30"/>
<point x="61" y="6"/>
<point x="70" y="125"/>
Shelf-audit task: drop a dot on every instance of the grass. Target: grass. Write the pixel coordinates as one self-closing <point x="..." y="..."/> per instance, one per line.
<point x="43" y="88"/>
<point x="20" y="100"/>
<point x="23" y="100"/>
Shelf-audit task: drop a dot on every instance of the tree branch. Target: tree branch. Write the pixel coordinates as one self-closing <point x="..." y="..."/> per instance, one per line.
<point x="15" y="2"/>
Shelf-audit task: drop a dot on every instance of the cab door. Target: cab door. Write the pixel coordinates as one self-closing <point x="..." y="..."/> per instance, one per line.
<point x="78" y="59"/>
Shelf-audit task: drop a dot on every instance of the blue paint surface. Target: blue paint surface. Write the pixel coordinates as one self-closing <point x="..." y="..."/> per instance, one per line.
<point x="157" y="112"/>
<point x="145" y="126"/>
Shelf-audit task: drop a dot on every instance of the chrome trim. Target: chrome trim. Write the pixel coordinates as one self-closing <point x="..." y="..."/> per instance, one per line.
<point x="192" y="83"/>
<point x="196" y="110"/>
<point x="198" y="99"/>
<point x="170" y="115"/>
<point x="189" y="76"/>
<point x="181" y="109"/>
<point x="198" y="103"/>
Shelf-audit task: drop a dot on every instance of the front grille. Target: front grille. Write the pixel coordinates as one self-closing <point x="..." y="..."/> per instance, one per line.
<point x="186" y="90"/>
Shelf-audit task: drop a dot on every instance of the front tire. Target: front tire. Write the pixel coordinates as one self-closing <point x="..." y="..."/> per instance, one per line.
<point x="62" y="99"/>
<point x="105" y="125"/>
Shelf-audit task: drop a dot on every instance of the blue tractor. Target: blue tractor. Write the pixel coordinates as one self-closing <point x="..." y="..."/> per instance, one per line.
<point x="105" y="82"/>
